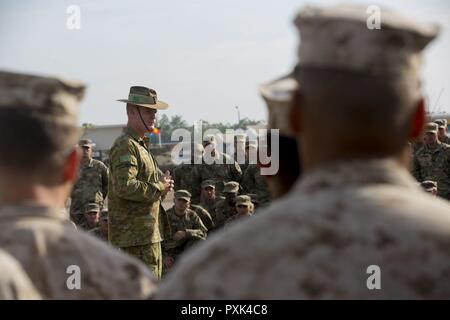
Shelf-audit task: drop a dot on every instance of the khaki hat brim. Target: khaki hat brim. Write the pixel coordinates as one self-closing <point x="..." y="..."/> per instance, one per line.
<point x="279" y="90"/>
<point x="160" y="105"/>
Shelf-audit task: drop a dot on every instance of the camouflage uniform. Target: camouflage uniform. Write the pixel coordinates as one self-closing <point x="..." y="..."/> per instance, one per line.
<point x="97" y="232"/>
<point x="220" y="173"/>
<point x="204" y="215"/>
<point x="191" y="223"/>
<point x="182" y="177"/>
<point x="223" y="211"/>
<point x="14" y="283"/>
<point x="434" y="164"/>
<point x="41" y="238"/>
<point x="92" y="186"/>
<point x="136" y="217"/>
<point x="253" y="182"/>
<point x="344" y="221"/>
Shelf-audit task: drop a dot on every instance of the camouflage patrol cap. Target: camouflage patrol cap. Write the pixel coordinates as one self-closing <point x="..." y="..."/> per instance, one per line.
<point x="104" y="214"/>
<point x="183" y="194"/>
<point x="53" y="98"/>
<point x="231" y="187"/>
<point x="208" y="183"/>
<point x="92" y="207"/>
<point x="86" y="143"/>
<point x="431" y="127"/>
<point x="429" y="185"/>
<point x="339" y="38"/>
<point x="442" y="123"/>
<point x="243" y="200"/>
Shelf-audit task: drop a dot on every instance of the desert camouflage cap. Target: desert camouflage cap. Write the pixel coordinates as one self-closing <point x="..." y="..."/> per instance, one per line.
<point x="338" y="38"/>
<point x="183" y="194"/>
<point x="92" y="207"/>
<point x="46" y="96"/>
<point x="431" y="127"/>
<point x="442" y="123"/>
<point x="208" y="183"/>
<point x="243" y="200"/>
<point x="86" y="143"/>
<point x="231" y="187"/>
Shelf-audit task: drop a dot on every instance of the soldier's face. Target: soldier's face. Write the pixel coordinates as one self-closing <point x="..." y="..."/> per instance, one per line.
<point x="430" y="138"/>
<point x="149" y="116"/>
<point x="230" y="197"/>
<point x="104" y="225"/>
<point x="242" y="209"/>
<point x="181" y="204"/>
<point x="442" y="133"/>
<point x="92" y="218"/>
<point x="209" y="193"/>
<point x="86" y="152"/>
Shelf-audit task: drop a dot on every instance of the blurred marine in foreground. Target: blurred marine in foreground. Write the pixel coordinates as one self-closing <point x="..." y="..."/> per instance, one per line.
<point x="36" y="178"/>
<point x="356" y="208"/>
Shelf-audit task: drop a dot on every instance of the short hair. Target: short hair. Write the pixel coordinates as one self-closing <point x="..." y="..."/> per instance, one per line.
<point x="343" y="105"/>
<point x="34" y="142"/>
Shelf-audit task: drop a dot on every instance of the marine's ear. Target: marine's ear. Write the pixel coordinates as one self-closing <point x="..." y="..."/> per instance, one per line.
<point x="71" y="166"/>
<point x="418" y="120"/>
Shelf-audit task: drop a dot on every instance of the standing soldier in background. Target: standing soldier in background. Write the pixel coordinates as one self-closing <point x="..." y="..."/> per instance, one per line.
<point x="208" y="199"/>
<point x="220" y="173"/>
<point x="137" y="220"/>
<point x="432" y="161"/>
<point x="356" y="207"/>
<point x="32" y="228"/>
<point x="92" y="184"/>
<point x="226" y="208"/>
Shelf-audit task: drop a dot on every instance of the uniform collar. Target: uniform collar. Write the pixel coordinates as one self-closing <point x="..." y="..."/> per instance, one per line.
<point x="133" y="135"/>
<point x="356" y="173"/>
<point x="30" y="210"/>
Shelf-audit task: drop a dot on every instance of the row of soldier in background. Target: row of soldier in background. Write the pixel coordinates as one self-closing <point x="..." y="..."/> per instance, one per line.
<point x="431" y="159"/>
<point x="214" y="195"/>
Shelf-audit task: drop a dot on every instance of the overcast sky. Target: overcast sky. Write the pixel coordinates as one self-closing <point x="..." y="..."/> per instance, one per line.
<point x="203" y="57"/>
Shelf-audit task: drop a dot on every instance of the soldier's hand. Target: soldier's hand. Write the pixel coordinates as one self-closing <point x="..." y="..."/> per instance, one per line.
<point x="168" y="182"/>
<point x="179" y="235"/>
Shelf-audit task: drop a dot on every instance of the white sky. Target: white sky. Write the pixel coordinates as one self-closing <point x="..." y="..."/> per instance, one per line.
<point x="203" y="57"/>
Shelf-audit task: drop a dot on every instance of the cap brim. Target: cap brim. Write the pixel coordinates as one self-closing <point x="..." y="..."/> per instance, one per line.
<point x="184" y="198"/>
<point x="279" y="90"/>
<point x="160" y="105"/>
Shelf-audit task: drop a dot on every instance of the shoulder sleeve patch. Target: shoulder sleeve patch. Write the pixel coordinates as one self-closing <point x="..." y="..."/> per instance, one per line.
<point x="125" y="158"/>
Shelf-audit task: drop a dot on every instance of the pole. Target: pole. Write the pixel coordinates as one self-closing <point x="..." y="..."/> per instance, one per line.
<point x="239" y="115"/>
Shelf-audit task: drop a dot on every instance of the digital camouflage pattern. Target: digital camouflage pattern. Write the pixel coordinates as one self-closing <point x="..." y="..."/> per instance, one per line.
<point x="97" y="232"/>
<point x="14" y="283"/>
<point x="220" y="173"/>
<point x="191" y="223"/>
<point x="434" y="164"/>
<point x="321" y="238"/>
<point x="223" y="211"/>
<point x="204" y="215"/>
<point x="45" y="243"/>
<point x="253" y="182"/>
<point x="135" y="193"/>
<point x="92" y="186"/>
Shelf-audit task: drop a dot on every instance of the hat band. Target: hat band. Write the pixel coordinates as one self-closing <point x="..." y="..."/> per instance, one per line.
<point x="137" y="98"/>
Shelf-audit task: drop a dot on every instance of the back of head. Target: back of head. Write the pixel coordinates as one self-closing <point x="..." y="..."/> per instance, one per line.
<point x="38" y="123"/>
<point x="360" y="88"/>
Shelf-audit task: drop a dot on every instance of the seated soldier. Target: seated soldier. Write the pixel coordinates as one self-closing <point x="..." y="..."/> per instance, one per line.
<point x="208" y="198"/>
<point x="204" y="215"/>
<point x="185" y="226"/>
<point x="91" y="216"/>
<point x="226" y="208"/>
<point x="429" y="186"/>
<point x="244" y="208"/>
<point x="101" y="232"/>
